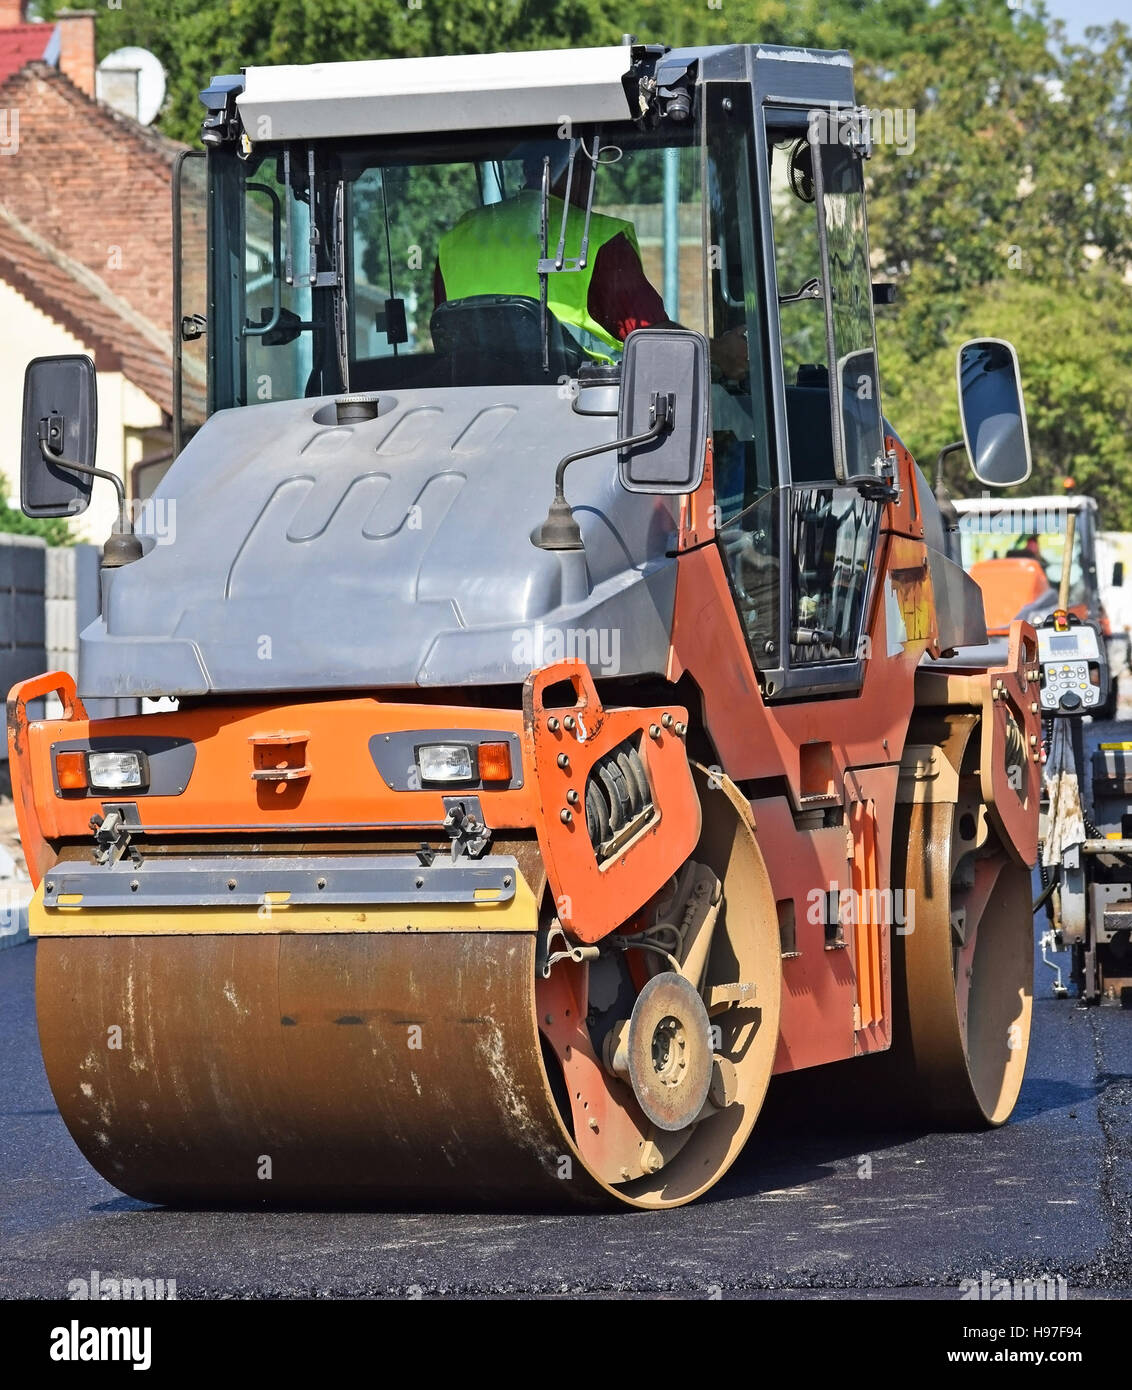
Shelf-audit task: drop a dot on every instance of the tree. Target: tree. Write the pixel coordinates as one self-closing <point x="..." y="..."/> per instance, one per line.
<point x="1010" y="218"/>
<point x="1022" y="160"/>
<point x="55" y="531"/>
<point x="875" y="28"/>
<point x="1075" y="351"/>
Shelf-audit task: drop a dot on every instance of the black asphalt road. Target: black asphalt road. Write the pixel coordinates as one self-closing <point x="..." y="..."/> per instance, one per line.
<point x="1049" y="1194"/>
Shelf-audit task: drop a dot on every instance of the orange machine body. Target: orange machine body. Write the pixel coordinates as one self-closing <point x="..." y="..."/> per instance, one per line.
<point x="1009" y="585"/>
<point x="821" y="776"/>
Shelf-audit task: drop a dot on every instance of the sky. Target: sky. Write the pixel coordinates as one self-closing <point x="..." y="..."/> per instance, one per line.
<point x="1079" y="14"/>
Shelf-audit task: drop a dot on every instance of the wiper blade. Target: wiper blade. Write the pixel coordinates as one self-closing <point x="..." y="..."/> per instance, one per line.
<point x="544" y="265"/>
<point x="560" y="256"/>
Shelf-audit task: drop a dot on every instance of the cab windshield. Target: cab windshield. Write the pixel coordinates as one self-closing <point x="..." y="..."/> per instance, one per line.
<point x="356" y="267"/>
<point x="1023" y="535"/>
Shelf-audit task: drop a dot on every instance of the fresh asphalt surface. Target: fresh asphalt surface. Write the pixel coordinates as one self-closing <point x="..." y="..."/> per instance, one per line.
<point x="1049" y="1194"/>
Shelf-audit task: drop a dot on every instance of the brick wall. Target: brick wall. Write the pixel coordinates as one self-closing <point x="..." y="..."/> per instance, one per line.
<point x="94" y="185"/>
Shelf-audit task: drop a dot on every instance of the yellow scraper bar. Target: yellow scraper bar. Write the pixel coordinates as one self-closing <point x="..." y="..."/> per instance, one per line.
<point x="517" y="914"/>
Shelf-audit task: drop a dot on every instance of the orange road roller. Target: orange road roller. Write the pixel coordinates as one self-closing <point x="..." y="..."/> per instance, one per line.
<point x="546" y="708"/>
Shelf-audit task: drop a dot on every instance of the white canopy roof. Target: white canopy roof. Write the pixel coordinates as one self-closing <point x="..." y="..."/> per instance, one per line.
<point x="404" y="95"/>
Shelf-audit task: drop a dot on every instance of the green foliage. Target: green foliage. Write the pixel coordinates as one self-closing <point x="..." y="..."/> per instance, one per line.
<point x="1022" y="157"/>
<point x="13" y="522"/>
<point x="1075" y="346"/>
<point x="876" y="28"/>
<point x="1010" y="218"/>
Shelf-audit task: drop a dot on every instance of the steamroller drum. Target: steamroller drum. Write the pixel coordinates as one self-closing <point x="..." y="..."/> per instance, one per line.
<point x="306" y="1068"/>
<point x="962" y="970"/>
<point x="963" y="978"/>
<point x="220" y="1067"/>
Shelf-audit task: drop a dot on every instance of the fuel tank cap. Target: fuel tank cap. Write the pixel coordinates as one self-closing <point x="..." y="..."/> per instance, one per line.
<point x="354" y="409"/>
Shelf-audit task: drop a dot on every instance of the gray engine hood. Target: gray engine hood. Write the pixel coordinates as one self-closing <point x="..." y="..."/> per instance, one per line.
<point x="285" y="554"/>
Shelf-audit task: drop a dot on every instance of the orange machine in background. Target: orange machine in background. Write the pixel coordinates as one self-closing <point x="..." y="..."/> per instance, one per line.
<point x="1015" y="552"/>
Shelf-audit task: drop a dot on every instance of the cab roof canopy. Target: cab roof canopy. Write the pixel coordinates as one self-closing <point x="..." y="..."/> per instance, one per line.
<point x="401" y="96"/>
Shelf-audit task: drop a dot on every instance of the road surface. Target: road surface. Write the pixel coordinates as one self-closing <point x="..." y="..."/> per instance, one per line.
<point x="812" y="1209"/>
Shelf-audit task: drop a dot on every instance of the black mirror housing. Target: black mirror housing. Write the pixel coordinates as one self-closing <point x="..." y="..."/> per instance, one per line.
<point x="993" y="412"/>
<point x="60" y="413"/>
<point x="1118" y="575"/>
<point x="664" y="369"/>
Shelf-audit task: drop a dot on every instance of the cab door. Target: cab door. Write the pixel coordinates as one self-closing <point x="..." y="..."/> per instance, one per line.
<point x="800" y="534"/>
<point x="830" y="392"/>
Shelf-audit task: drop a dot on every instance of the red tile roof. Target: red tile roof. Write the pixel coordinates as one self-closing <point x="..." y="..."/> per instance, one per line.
<point x="118" y="339"/>
<point x="48" y="253"/>
<point x="23" y="43"/>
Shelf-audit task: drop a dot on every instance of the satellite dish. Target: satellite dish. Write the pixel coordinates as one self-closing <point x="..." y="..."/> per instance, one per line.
<point x="148" y="81"/>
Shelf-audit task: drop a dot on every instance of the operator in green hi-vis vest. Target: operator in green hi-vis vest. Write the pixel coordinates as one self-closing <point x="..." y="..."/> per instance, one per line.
<point x="494" y="250"/>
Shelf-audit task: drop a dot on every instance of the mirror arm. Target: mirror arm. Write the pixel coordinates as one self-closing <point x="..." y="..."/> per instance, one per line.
<point x="874" y="487"/>
<point x="58" y="459"/>
<point x="560" y="530"/>
<point x="881" y="484"/>
<point x="663" y="411"/>
<point x="957" y="448"/>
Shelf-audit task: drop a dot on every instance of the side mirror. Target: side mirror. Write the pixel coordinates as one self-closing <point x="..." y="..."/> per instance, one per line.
<point x="993" y="413"/>
<point x="663" y="370"/>
<point x="1118" y="575"/>
<point x="61" y="420"/>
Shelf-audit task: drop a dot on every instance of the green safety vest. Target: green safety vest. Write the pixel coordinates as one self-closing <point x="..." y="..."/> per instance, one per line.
<point x="495" y="250"/>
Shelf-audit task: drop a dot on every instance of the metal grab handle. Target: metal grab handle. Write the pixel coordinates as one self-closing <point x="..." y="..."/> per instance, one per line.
<point x="60" y="683"/>
<point x="252" y="330"/>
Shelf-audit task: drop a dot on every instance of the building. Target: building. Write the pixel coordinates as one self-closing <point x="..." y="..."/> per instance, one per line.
<point x="85" y="250"/>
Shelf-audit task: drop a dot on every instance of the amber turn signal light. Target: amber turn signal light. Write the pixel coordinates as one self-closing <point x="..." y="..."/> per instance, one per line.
<point x="70" y="769"/>
<point x="494" y="762"/>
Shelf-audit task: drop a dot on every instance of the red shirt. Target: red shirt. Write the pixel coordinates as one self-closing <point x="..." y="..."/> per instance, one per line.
<point x="620" y="297"/>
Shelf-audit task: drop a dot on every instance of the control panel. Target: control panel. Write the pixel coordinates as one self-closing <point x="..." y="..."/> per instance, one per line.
<point x="1074" y="669"/>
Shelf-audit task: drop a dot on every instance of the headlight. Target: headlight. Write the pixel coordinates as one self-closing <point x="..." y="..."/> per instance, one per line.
<point x="446" y="762"/>
<point x="113" y="772"/>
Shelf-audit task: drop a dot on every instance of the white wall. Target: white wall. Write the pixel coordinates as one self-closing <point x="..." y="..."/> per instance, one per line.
<point x="29" y="333"/>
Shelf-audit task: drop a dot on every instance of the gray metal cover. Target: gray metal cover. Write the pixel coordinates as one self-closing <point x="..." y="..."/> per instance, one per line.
<point x="394" y="552"/>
